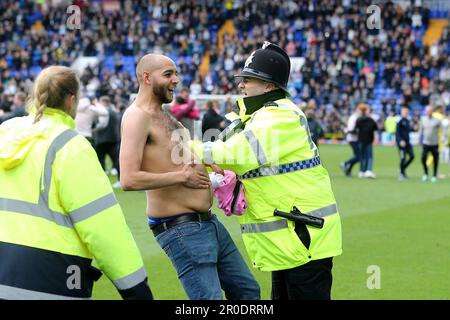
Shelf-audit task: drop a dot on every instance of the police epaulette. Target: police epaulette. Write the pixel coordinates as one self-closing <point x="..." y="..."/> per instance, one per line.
<point x="270" y="104"/>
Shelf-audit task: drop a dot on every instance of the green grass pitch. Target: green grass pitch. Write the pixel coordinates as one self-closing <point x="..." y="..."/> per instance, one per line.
<point x="400" y="227"/>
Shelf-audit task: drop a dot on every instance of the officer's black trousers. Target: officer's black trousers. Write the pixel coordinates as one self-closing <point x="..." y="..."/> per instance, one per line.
<point x="311" y="281"/>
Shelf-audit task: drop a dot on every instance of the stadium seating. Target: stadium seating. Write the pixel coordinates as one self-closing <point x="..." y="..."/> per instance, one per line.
<point x="314" y="30"/>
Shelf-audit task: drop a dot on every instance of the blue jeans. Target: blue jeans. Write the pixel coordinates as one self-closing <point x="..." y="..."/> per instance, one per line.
<point x="355" y="159"/>
<point x="207" y="261"/>
<point x="366" y="160"/>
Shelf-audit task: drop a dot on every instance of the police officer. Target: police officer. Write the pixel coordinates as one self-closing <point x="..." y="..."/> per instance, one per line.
<point x="270" y="149"/>
<point x="57" y="209"/>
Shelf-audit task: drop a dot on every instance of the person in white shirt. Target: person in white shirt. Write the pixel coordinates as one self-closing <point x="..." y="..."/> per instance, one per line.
<point x="90" y="118"/>
<point x="352" y="139"/>
<point x="429" y="132"/>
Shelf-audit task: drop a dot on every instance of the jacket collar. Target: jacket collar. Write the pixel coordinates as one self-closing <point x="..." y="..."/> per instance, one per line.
<point x="58" y="115"/>
<point x="253" y="104"/>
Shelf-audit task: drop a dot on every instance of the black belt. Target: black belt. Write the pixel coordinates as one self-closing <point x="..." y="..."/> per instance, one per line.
<point x="194" y="216"/>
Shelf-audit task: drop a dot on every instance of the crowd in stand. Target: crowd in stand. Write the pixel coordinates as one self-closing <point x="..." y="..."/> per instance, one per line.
<point x="345" y="61"/>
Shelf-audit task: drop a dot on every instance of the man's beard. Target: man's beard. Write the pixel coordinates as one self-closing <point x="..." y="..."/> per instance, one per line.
<point x="162" y="93"/>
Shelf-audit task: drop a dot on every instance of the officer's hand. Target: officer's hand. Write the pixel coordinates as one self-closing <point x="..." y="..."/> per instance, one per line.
<point x="216" y="169"/>
<point x="195" y="179"/>
<point x="402" y="143"/>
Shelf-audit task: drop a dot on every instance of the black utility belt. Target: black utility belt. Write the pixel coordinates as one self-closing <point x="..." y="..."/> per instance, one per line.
<point x="188" y="217"/>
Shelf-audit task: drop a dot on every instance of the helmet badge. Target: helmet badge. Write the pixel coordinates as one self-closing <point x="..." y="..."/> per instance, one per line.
<point x="249" y="60"/>
<point x="266" y="44"/>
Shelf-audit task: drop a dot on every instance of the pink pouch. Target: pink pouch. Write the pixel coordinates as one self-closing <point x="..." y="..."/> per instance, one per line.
<point x="229" y="192"/>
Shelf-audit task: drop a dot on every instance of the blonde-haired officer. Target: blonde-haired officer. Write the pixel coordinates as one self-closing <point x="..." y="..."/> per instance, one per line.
<point x="57" y="208"/>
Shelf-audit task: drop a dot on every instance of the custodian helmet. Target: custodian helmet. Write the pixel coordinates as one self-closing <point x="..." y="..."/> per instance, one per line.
<point x="270" y="63"/>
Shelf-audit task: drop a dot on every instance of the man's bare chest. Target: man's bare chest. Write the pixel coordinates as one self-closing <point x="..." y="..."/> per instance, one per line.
<point x="165" y="130"/>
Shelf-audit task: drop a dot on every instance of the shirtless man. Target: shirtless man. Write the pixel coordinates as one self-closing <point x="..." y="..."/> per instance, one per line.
<point x="179" y="195"/>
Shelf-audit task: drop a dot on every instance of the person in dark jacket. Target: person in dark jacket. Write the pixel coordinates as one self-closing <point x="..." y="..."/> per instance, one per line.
<point x="17" y="108"/>
<point x="404" y="146"/>
<point x="212" y="122"/>
<point x="107" y="140"/>
<point x="315" y="128"/>
<point x="365" y="128"/>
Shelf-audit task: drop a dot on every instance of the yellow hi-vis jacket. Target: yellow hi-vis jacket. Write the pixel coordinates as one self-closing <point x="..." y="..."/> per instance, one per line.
<point x="58" y="212"/>
<point x="279" y="166"/>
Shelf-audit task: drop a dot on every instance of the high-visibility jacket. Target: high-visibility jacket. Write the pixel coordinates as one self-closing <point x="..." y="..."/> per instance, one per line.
<point x="390" y="124"/>
<point x="280" y="167"/>
<point x="58" y="212"/>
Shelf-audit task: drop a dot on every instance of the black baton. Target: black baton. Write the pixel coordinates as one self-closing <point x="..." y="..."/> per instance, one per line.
<point x="297" y="216"/>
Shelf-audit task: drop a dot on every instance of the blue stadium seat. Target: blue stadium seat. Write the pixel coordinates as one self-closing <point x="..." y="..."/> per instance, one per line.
<point x="34" y="70"/>
<point x="298" y="36"/>
<point x="439" y="14"/>
<point x="35" y="58"/>
<point x="381" y="68"/>
<point x="172" y="56"/>
<point x="108" y="63"/>
<point x="9" y="61"/>
<point x="188" y="59"/>
<point x="128" y="64"/>
<point x="213" y="28"/>
<point x="187" y="79"/>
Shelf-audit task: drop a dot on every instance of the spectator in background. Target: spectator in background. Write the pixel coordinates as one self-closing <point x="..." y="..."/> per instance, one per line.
<point x="121" y="107"/>
<point x="404" y="146"/>
<point x="444" y="156"/>
<point x="415" y="122"/>
<point x="429" y="133"/>
<point x="118" y="61"/>
<point x="352" y="139"/>
<point x="439" y="114"/>
<point x="185" y="110"/>
<point x="90" y="118"/>
<point x="195" y="87"/>
<point x="365" y="128"/>
<point x="390" y="125"/>
<point x="416" y="19"/>
<point x="226" y="107"/>
<point x="17" y="108"/>
<point x="4" y="102"/>
<point x="107" y="139"/>
<point x="212" y="120"/>
<point x="315" y="128"/>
